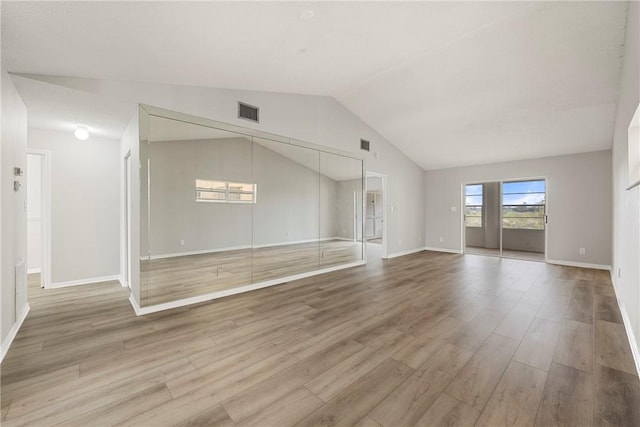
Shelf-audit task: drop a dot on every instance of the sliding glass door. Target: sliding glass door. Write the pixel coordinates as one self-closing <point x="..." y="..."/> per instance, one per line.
<point x="524" y="219"/>
<point x="506" y="218"/>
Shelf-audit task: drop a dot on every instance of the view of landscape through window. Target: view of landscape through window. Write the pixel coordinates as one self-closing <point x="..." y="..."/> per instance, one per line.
<point x="473" y="205"/>
<point x="523" y="205"/>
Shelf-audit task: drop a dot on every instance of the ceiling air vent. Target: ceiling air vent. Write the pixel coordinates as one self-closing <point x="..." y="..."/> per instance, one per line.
<point x="364" y="144"/>
<point x="248" y="112"/>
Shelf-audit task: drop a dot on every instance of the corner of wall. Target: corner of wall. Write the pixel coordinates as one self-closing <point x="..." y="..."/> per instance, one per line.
<point x="13" y="226"/>
<point x="626" y="320"/>
<point x="130" y="145"/>
<point x="8" y="340"/>
<point x="626" y="202"/>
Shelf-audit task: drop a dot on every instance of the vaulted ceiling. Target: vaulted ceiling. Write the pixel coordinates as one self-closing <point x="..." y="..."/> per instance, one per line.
<point x="448" y="83"/>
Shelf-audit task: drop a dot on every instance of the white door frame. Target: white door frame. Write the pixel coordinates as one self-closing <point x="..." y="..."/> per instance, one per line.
<point x="127" y="215"/>
<point x="385" y="206"/>
<point x="502" y="181"/>
<point x="45" y="215"/>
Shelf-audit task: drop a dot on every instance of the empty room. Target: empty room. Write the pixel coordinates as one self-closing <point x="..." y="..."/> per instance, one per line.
<point x="354" y="213"/>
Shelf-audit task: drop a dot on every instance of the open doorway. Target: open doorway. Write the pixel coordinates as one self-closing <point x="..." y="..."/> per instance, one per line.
<point x="375" y="216"/>
<point x="38" y="219"/>
<point x="506" y="218"/>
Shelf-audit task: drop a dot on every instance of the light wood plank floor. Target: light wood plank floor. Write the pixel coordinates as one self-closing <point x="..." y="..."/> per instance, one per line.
<point x="426" y="339"/>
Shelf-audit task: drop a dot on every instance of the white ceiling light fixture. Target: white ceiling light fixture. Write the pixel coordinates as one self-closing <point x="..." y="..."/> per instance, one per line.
<point x="82" y="133"/>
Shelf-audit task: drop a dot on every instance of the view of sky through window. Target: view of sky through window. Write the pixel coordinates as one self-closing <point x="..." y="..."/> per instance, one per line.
<point x="524" y="193"/>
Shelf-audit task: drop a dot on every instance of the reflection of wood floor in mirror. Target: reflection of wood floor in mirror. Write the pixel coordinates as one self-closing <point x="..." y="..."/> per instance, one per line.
<point x="169" y="279"/>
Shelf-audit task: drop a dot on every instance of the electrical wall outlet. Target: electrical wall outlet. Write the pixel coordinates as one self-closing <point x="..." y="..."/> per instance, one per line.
<point x="582" y="251"/>
<point x="441" y="239"/>
<point x="181" y="242"/>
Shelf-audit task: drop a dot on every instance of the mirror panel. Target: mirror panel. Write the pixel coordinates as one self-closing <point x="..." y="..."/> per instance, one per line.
<point x="341" y="210"/>
<point x="143" y="130"/>
<point x="285" y="216"/>
<point x="220" y="210"/>
<point x="201" y="192"/>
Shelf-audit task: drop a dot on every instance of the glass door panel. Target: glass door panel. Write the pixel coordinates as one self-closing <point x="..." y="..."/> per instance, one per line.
<point x="524" y="219"/>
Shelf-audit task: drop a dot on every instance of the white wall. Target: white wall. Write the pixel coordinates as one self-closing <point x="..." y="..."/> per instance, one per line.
<point x="578" y="203"/>
<point x="34" y="212"/>
<point x="626" y="203"/>
<point x="13" y="226"/>
<point x="85" y="205"/>
<point x="374" y="183"/>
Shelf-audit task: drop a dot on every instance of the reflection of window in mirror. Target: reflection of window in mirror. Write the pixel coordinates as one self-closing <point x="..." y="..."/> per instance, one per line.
<point x="225" y="192"/>
<point x="633" y="152"/>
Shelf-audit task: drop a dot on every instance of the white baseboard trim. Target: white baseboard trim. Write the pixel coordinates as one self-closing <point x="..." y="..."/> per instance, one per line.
<point x="84" y="281"/>
<point x="635" y="349"/>
<point x="228" y="292"/>
<point x="579" y="264"/>
<point x="33" y="270"/>
<point x="403" y="253"/>
<point x="14" y="331"/>
<point x="237" y="248"/>
<point x="135" y="305"/>
<point x="450" y="251"/>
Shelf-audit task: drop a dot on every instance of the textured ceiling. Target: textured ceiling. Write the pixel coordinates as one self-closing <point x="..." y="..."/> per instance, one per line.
<point x="448" y="83"/>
